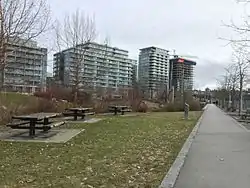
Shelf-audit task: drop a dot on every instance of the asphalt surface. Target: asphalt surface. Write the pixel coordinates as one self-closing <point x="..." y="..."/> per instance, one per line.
<point x="219" y="156"/>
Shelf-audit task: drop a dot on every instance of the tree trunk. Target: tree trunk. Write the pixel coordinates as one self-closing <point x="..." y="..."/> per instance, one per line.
<point x="2" y="79"/>
<point x="240" y="96"/>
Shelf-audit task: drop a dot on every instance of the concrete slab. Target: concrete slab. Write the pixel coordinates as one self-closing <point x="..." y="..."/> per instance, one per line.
<point x="173" y="173"/>
<point x="90" y="120"/>
<point x="130" y="115"/>
<point x="52" y="136"/>
<point x="119" y="114"/>
<point x="219" y="156"/>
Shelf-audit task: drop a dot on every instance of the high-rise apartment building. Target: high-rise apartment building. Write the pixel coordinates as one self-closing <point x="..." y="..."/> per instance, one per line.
<point x="181" y="74"/>
<point x="26" y="68"/>
<point x="134" y="71"/>
<point x="102" y="66"/>
<point x="153" y="70"/>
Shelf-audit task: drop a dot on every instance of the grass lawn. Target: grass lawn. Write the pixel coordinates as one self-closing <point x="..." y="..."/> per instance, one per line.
<point x="116" y="152"/>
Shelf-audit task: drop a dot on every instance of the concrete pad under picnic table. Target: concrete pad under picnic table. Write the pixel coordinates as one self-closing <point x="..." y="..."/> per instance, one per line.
<point x="52" y="136"/>
<point x="128" y="114"/>
<point x="86" y="120"/>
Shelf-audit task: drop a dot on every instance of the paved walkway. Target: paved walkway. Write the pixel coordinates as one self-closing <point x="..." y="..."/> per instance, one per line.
<point x="219" y="156"/>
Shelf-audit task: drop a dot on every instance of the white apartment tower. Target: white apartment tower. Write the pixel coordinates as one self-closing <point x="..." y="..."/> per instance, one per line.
<point x="26" y="67"/>
<point x="153" y="70"/>
<point x="103" y="66"/>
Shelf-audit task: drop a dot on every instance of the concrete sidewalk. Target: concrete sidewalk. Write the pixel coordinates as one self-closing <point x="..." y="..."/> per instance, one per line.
<point x="219" y="156"/>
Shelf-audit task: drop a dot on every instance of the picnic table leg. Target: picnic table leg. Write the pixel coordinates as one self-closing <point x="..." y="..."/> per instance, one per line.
<point x="115" y="111"/>
<point x="46" y="121"/>
<point x="83" y="112"/>
<point x="32" y="128"/>
<point x="122" y="111"/>
<point x="75" y="116"/>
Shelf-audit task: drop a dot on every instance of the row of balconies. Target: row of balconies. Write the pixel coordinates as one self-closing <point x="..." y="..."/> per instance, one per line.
<point x="14" y="71"/>
<point x="104" y="82"/>
<point x="93" y="62"/>
<point x="24" y="67"/>
<point x="23" y="74"/>
<point x="100" y="58"/>
<point x="103" y="76"/>
<point x="106" y="54"/>
<point x="25" y="50"/>
<point x="87" y="70"/>
<point x="33" y="57"/>
<point x="110" y="76"/>
<point x="94" y="48"/>
<point x="22" y="61"/>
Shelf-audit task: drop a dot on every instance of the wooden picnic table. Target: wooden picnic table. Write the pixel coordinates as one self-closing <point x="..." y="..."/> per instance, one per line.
<point x="118" y="108"/>
<point x="78" y="111"/>
<point x="245" y="114"/>
<point x="33" y="120"/>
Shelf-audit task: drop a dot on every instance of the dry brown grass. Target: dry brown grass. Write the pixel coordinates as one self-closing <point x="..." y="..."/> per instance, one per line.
<point x="116" y="152"/>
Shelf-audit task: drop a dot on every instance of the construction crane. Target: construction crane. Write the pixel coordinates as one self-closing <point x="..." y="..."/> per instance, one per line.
<point x="183" y="56"/>
<point x="186" y="56"/>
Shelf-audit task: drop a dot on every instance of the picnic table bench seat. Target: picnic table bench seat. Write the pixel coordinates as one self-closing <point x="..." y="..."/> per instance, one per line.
<point x="68" y="113"/>
<point x="76" y="112"/>
<point x="80" y="114"/>
<point x="90" y="113"/>
<point x="53" y="125"/>
<point x="17" y="123"/>
<point x="111" y="109"/>
<point x="246" y="114"/>
<point x="126" y="110"/>
<point x="45" y="127"/>
<point x="119" y="109"/>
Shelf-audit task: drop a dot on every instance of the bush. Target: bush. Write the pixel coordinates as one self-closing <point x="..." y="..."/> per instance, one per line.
<point x="195" y="106"/>
<point x="142" y="107"/>
<point x="18" y="104"/>
<point x="178" y="107"/>
<point x="45" y="95"/>
<point x="66" y="94"/>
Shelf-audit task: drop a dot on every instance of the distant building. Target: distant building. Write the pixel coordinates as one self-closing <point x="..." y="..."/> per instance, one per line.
<point x="26" y="68"/>
<point x="153" y="70"/>
<point x="102" y="67"/>
<point x="134" y="71"/>
<point x="49" y="80"/>
<point x="181" y="74"/>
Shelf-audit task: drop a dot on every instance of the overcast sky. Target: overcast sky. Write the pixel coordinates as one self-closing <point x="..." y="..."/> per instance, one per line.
<point x="191" y="27"/>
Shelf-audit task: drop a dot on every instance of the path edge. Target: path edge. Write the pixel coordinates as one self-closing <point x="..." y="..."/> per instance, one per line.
<point x="170" y="179"/>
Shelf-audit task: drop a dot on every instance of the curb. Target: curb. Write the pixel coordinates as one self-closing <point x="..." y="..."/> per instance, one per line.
<point x="170" y="179"/>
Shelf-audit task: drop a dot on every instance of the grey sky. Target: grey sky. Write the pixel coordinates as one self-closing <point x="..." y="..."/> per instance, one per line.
<point x="191" y="27"/>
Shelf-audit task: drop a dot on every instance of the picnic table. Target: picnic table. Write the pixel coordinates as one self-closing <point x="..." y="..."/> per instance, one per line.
<point x="116" y="109"/>
<point x="32" y="121"/>
<point x="78" y="111"/>
<point x="246" y="114"/>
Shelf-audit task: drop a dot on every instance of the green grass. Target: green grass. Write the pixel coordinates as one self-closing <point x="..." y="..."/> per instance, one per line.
<point x="116" y="152"/>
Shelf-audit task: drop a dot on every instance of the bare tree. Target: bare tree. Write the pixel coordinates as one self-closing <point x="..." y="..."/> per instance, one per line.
<point x="242" y="30"/>
<point x="76" y="33"/>
<point x="229" y="83"/>
<point x="241" y="58"/>
<point x="20" y="22"/>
